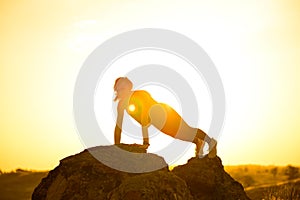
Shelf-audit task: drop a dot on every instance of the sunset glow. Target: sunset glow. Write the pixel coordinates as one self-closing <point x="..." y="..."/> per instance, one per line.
<point x="255" y="46"/>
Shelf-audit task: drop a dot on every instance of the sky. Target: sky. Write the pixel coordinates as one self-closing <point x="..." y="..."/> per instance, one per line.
<point x="255" y="46"/>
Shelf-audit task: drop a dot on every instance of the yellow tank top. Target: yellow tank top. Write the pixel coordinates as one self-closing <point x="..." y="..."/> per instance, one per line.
<point x="139" y="105"/>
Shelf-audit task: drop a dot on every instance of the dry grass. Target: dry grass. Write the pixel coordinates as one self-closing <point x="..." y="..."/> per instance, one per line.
<point x="266" y="182"/>
<point x="288" y="191"/>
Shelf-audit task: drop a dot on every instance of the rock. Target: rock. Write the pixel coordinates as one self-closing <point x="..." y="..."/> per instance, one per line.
<point x="206" y="179"/>
<point x="157" y="185"/>
<point x="82" y="176"/>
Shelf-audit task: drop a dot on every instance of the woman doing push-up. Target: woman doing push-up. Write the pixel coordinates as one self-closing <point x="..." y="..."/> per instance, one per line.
<point x="146" y="111"/>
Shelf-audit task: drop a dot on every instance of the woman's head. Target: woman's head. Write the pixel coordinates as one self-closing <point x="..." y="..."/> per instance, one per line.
<point x="122" y="87"/>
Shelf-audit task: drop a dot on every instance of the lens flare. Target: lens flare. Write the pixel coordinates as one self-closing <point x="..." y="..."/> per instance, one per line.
<point x="131" y="108"/>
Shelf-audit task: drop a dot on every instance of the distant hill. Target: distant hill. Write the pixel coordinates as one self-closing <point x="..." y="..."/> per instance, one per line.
<point x="19" y="184"/>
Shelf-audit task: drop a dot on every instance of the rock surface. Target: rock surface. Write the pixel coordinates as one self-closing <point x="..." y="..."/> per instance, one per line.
<point x="82" y="176"/>
<point x="155" y="185"/>
<point x="206" y="179"/>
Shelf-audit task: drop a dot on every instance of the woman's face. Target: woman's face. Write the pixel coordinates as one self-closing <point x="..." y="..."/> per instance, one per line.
<point x="122" y="88"/>
<point x="122" y="92"/>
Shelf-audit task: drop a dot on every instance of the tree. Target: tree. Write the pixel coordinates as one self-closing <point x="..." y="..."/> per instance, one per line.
<point x="19" y="170"/>
<point x="274" y="171"/>
<point x="292" y="172"/>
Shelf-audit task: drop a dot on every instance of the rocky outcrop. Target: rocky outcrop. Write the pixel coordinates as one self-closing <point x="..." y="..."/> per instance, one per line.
<point x="206" y="179"/>
<point x="82" y="176"/>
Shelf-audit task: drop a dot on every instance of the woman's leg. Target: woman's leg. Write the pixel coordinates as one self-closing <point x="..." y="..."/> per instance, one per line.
<point x="186" y="133"/>
<point x="199" y="147"/>
<point x="198" y="137"/>
<point x="168" y="121"/>
<point x="212" y="143"/>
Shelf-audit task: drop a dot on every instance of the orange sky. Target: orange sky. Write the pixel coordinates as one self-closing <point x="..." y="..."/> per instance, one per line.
<point x="255" y="46"/>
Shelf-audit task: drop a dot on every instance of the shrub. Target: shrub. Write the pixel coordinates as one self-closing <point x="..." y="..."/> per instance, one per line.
<point x="292" y="172"/>
<point x="274" y="171"/>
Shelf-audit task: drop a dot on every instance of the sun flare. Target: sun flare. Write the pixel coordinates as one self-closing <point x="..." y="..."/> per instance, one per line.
<point x="131" y="107"/>
<point x="254" y="45"/>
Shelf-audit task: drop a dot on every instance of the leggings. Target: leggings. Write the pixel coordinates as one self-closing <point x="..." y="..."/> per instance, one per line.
<point x="168" y="121"/>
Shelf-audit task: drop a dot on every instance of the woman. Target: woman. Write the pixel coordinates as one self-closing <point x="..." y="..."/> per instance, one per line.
<point x="146" y="111"/>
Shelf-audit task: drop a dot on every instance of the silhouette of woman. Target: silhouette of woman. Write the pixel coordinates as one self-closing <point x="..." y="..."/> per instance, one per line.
<point x="146" y="111"/>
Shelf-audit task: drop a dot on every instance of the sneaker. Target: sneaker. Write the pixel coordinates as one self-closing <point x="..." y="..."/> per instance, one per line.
<point x="212" y="148"/>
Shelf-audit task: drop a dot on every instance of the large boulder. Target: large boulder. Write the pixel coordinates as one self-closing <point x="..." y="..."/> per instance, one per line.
<point x="206" y="179"/>
<point x="82" y="176"/>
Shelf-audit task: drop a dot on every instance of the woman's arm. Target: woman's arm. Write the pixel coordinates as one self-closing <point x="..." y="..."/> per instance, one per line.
<point x="118" y="128"/>
<point x="145" y="135"/>
<point x="145" y="124"/>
